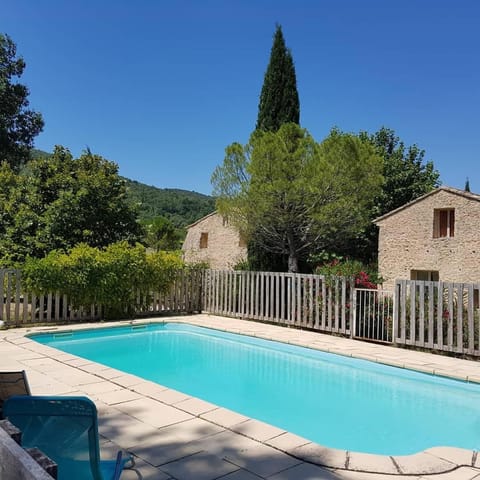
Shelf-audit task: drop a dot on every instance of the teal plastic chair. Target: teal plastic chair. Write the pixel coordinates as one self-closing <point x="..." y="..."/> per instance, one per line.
<point x="66" y="430"/>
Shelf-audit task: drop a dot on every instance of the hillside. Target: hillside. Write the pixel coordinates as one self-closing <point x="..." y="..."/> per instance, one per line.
<point x="181" y="207"/>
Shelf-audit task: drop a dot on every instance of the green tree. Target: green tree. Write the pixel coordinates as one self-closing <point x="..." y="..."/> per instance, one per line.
<point x="58" y="202"/>
<point x="279" y="101"/>
<point x="116" y="277"/>
<point x="297" y="196"/>
<point x="467" y="185"/>
<point x="406" y="177"/>
<point x="161" y="234"/>
<point x="279" y="104"/>
<point x="18" y="124"/>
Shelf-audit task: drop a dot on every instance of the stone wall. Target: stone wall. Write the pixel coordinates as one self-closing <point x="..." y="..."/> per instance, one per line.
<point x="16" y="463"/>
<point x="406" y="240"/>
<point x="223" y="249"/>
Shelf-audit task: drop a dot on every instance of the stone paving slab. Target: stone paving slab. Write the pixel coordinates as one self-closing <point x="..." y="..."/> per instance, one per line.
<point x="320" y="455"/>
<point x="422" y="463"/>
<point x="305" y="471"/>
<point x="257" y="430"/>
<point x="458" y="456"/>
<point x="195" y="406"/>
<point x="240" y="475"/>
<point x="262" y="460"/>
<point x="463" y="473"/>
<point x="224" y="417"/>
<point x="117" y="396"/>
<point x="170" y="397"/>
<point x="157" y="454"/>
<point x="153" y="413"/>
<point x="226" y="443"/>
<point x="287" y="441"/>
<point x="365" y="462"/>
<point x="191" y="430"/>
<point x="201" y="466"/>
<point x="173" y="434"/>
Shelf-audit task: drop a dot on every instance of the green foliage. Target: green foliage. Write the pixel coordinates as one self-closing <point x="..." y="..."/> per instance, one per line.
<point x="366" y="276"/>
<point x="279" y="102"/>
<point x="294" y="195"/>
<point x="110" y="277"/>
<point x="180" y="207"/>
<point x="262" y="260"/>
<point x="161" y="234"/>
<point x="57" y="202"/>
<point x="18" y="124"/>
<point x="406" y="177"/>
<point x="467" y="185"/>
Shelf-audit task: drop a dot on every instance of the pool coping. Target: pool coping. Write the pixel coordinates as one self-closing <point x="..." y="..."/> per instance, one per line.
<point x="434" y="460"/>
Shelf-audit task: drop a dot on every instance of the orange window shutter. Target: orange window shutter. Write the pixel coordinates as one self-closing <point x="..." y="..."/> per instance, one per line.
<point x="443" y="217"/>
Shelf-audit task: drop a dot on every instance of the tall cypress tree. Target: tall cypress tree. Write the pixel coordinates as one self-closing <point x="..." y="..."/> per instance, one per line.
<point x="279" y="101"/>
<point x="278" y="104"/>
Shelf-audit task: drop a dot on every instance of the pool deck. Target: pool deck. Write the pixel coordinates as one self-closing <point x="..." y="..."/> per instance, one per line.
<point x="175" y="436"/>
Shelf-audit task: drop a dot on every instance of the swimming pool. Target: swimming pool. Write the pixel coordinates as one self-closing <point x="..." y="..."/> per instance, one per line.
<point x="332" y="400"/>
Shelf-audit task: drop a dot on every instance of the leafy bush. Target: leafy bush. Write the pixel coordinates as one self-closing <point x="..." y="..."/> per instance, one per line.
<point x="366" y="276"/>
<point x="111" y="277"/>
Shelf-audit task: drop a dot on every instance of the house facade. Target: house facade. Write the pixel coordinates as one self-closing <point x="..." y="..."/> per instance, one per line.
<point x="214" y="241"/>
<point x="435" y="237"/>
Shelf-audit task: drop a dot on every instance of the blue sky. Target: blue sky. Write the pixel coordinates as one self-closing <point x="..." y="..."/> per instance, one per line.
<point x="162" y="87"/>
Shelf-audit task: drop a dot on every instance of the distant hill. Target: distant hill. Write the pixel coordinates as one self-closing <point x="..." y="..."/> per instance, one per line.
<point x="181" y="207"/>
<point x="35" y="153"/>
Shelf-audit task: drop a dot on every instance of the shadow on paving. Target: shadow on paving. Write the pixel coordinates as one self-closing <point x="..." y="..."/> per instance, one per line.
<point x="200" y="450"/>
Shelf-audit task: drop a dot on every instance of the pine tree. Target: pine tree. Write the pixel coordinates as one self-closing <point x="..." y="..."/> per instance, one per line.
<point x="279" y="101"/>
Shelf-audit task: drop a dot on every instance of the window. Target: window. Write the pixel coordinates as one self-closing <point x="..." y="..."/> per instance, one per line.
<point x="424" y="275"/>
<point x="204" y="240"/>
<point x="443" y="223"/>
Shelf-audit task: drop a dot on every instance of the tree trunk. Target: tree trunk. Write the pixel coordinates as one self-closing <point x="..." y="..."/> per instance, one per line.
<point x="292" y="254"/>
<point x="292" y="262"/>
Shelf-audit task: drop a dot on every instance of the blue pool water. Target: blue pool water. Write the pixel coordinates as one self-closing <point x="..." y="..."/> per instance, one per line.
<point x="332" y="400"/>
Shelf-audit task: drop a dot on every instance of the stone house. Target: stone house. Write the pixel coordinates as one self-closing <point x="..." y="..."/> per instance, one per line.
<point x="214" y="241"/>
<point x="435" y="237"/>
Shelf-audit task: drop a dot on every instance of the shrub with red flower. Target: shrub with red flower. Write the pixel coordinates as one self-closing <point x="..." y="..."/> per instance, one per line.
<point x="365" y="276"/>
<point x="362" y="280"/>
